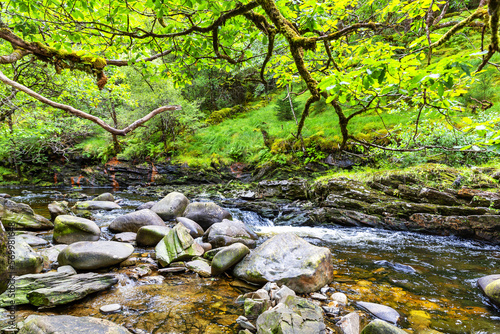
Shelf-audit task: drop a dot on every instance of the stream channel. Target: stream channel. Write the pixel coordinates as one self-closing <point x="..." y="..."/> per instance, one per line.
<point x="429" y="280"/>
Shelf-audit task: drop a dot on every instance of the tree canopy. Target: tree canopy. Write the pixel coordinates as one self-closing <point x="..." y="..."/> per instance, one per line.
<point x="359" y="56"/>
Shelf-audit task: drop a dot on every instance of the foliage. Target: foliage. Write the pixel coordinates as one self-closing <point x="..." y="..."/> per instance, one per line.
<point x="283" y="109"/>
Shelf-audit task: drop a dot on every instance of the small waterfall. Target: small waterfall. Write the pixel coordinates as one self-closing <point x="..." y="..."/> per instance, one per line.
<point x="251" y="218"/>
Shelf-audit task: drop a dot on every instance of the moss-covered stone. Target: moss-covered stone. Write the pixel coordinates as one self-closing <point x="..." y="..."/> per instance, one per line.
<point x="177" y="245"/>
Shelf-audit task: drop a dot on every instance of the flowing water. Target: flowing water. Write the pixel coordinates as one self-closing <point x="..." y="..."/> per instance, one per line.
<point x="430" y="280"/>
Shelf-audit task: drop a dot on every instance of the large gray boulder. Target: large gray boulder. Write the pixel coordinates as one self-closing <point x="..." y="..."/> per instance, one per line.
<point x="96" y="205"/>
<point x="206" y="213"/>
<point x="171" y="206"/>
<point x="177" y="245"/>
<point x="228" y="257"/>
<point x="69" y="229"/>
<point x="58" y="208"/>
<point x="290" y="260"/>
<point x="133" y="221"/>
<point x="381" y="327"/>
<point x="151" y="235"/>
<point x="229" y="232"/>
<point x="294" y="315"/>
<point x="4" y="261"/>
<point x="63" y="324"/>
<point x="88" y="255"/>
<point x="26" y="260"/>
<point x="21" y="216"/>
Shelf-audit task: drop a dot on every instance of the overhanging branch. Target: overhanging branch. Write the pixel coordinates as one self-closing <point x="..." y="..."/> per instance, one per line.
<point x="82" y="114"/>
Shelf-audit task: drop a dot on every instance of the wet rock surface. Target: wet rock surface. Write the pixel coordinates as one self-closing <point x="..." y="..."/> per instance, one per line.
<point x="290" y="260"/>
<point x="86" y="255"/>
<point x="69" y="324"/>
<point x="229" y="232"/>
<point x="133" y="221"/>
<point x="70" y="229"/>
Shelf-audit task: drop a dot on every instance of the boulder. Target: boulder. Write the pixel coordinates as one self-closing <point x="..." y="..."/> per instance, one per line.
<point x="33" y="240"/>
<point x="492" y="291"/>
<point x="26" y="260"/>
<point x="55" y="288"/>
<point x="294" y="315"/>
<point x="290" y="260"/>
<point x="88" y="255"/>
<point x="48" y="324"/>
<point x="70" y="229"/>
<point x="194" y="229"/>
<point x="105" y="197"/>
<point x="229" y="232"/>
<point x="151" y="235"/>
<point x="484" y="281"/>
<point x="206" y="213"/>
<point x="50" y="254"/>
<point x="133" y="221"/>
<point x="147" y="205"/>
<point x="96" y="205"/>
<point x="382" y="312"/>
<point x="200" y="267"/>
<point x="4" y="260"/>
<point x="228" y="257"/>
<point x="381" y="327"/>
<point x="171" y="206"/>
<point x="21" y="216"/>
<point x="349" y="324"/>
<point x="58" y="208"/>
<point x="129" y="237"/>
<point x="177" y="245"/>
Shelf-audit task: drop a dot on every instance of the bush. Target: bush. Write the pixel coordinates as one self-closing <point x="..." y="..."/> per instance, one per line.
<point x="284" y="111"/>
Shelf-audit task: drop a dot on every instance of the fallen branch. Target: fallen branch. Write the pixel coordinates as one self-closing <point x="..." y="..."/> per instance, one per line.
<point x="82" y="114"/>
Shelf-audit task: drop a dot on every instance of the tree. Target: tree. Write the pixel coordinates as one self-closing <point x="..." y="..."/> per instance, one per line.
<point x="360" y="56"/>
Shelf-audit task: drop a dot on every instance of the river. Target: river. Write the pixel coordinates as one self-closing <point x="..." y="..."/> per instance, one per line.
<point x="429" y="280"/>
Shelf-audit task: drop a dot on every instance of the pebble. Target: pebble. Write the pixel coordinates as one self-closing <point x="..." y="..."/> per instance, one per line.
<point x="339" y="297"/>
<point x="172" y="270"/>
<point x="318" y="296"/>
<point x="110" y="308"/>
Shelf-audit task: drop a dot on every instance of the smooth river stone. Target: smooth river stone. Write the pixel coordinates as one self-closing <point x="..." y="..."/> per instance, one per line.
<point x="206" y="213"/>
<point x="86" y="255"/>
<point x="382" y="312"/>
<point x="133" y="221"/>
<point x="69" y="229"/>
<point x="171" y="206"/>
<point x="96" y="205"/>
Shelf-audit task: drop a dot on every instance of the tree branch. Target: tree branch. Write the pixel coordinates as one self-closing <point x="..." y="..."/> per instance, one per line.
<point x="83" y="114"/>
<point x="16" y="55"/>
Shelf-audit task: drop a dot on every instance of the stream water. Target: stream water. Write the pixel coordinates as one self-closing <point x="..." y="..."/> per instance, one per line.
<point x="430" y="280"/>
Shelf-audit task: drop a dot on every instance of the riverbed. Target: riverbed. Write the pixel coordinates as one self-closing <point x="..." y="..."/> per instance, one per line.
<point x="429" y="280"/>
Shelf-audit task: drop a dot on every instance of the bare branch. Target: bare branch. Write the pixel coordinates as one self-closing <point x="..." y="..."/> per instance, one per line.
<point x="83" y="114"/>
<point x="116" y="62"/>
